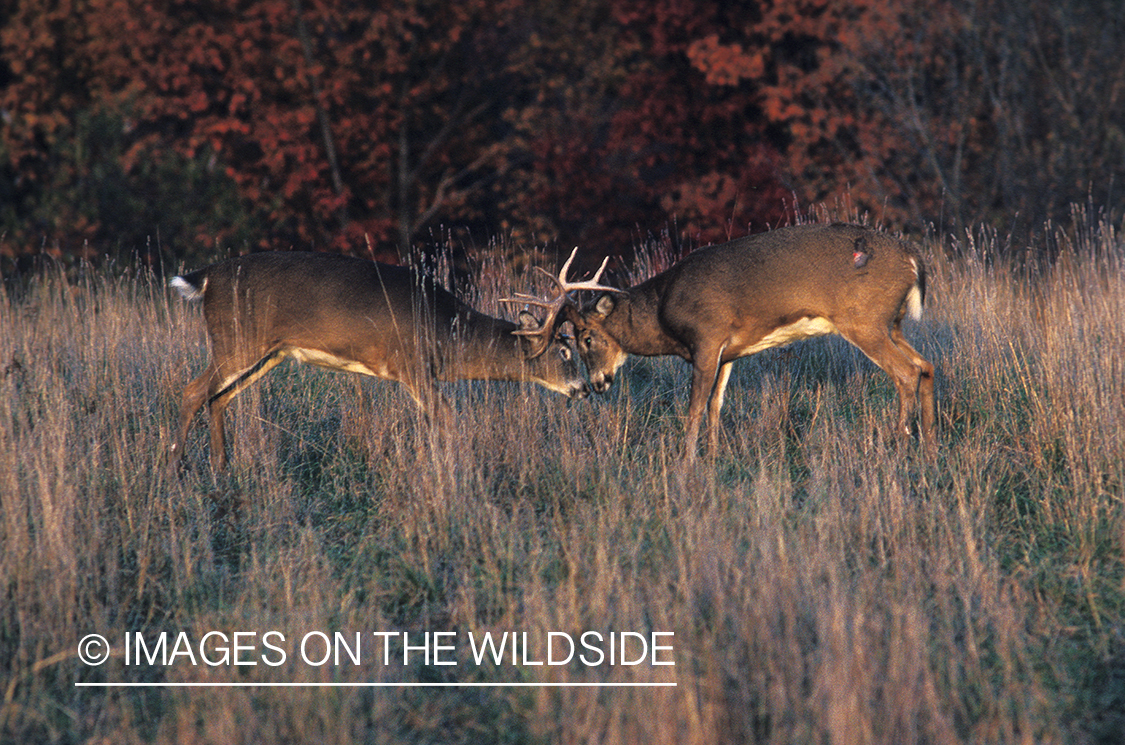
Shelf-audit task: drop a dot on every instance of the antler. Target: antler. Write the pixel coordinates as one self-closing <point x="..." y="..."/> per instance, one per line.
<point x="590" y="284"/>
<point x="554" y="305"/>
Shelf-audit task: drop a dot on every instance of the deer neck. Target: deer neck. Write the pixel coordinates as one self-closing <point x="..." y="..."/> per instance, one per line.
<point x="635" y="322"/>
<point x="483" y="348"/>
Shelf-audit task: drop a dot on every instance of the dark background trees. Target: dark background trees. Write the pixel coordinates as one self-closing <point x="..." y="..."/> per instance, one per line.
<point x="196" y="128"/>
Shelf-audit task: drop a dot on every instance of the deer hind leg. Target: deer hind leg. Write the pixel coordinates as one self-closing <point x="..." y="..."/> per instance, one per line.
<point x="220" y="400"/>
<point x="925" y="383"/>
<point x="901" y="366"/>
<point x="195" y="395"/>
<point x="216" y="389"/>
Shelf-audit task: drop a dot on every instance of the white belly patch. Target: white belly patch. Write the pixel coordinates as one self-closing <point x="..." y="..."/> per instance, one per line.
<point x="806" y="328"/>
<point x="332" y="362"/>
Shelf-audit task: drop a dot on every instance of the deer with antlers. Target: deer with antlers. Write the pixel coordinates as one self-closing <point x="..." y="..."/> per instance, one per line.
<point x="761" y="291"/>
<point x="358" y="316"/>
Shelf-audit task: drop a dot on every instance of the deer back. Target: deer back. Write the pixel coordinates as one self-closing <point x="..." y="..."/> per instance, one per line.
<point x="356" y="315"/>
<point x="750" y="286"/>
<point x="341" y="306"/>
<point x="819" y="268"/>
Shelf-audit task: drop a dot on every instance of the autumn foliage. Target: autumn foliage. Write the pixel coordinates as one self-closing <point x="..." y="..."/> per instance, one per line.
<point x="338" y="124"/>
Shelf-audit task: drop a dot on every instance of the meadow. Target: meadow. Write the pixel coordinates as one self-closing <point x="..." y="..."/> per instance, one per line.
<point x="825" y="582"/>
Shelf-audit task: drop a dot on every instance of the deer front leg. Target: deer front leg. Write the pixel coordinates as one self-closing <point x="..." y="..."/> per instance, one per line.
<point x="704" y="379"/>
<point x="716" y="404"/>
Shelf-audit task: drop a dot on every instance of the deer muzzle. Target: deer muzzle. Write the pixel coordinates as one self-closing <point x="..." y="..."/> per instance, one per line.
<point x="601" y="382"/>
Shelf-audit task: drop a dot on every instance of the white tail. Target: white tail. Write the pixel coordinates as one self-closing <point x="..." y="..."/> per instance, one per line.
<point x="915" y="299"/>
<point x="357" y="316"/>
<point x="187" y="290"/>
<point x="767" y="290"/>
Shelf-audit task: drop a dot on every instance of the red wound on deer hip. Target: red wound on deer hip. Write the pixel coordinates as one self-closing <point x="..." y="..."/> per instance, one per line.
<point x="860" y="253"/>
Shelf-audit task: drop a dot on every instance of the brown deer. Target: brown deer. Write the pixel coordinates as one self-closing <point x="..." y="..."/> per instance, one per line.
<point x="359" y="316"/>
<point x="767" y="290"/>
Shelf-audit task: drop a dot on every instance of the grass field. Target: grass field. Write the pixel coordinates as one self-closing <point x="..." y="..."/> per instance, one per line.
<point x="824" y="582"/>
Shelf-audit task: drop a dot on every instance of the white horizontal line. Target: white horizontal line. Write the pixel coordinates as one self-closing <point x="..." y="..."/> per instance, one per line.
<point x="372" y="685"/>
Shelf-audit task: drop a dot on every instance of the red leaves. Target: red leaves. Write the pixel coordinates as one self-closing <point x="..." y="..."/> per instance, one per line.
<point x="589" y="120"/>
<point x="724" y="64"/>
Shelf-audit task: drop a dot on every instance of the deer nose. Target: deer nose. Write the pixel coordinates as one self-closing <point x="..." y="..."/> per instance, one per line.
<point x="602" y="383"/>
<point x="580" y="391"/>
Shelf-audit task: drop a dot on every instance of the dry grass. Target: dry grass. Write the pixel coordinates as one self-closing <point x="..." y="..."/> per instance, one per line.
<point x="824" y="582"/>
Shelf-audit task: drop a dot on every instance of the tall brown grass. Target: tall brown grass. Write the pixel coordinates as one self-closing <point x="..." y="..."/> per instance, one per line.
<point x="824" y="581"/>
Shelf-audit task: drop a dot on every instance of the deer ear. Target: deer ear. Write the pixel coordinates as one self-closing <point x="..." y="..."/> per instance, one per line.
<point x="537" y="337"/>
<point x="605" y="305"/>
<point x="528" y="322"/>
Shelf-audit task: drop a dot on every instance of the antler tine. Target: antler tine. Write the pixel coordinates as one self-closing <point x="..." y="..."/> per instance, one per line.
<point x="521" y="297"/>
<point x="566" y="267"/>
<point x="589" y="284"/>
<point x="530" y="301"/>
<point x="598" y="274"/>
<point x="558" y="281"/>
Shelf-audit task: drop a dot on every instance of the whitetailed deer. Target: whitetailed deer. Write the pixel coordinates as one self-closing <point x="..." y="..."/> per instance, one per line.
<point x="359" y="316"/>
<point x="767" y="290"/>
